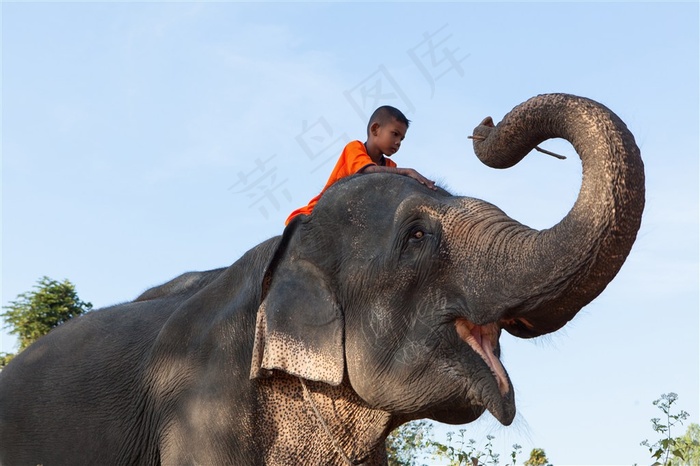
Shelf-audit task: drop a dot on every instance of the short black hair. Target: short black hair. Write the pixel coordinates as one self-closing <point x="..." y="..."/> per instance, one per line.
<point x="385" y="114"/>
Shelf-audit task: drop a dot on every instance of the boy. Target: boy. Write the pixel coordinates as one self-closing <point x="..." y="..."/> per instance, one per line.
<point x="386" y="129"/>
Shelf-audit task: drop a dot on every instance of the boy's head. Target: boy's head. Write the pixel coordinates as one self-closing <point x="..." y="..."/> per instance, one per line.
<point x="386" y="129"/>
<point x="385" y="114"/>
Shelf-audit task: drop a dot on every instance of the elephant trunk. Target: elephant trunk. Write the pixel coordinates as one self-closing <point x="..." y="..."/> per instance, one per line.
<point x="539" y="280"/>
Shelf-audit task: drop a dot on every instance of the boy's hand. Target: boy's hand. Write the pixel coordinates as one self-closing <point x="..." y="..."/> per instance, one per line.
<point x="401" y="171"/>
<point x="418" y="177"/>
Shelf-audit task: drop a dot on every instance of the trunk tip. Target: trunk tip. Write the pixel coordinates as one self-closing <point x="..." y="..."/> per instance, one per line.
<point x="488" y="121"/>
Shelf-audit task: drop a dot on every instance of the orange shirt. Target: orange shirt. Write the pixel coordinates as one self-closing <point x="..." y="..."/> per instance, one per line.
<point x="353" y="159"/>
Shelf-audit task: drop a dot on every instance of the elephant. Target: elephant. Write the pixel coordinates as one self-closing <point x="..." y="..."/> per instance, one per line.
<point x="385" y="305"/>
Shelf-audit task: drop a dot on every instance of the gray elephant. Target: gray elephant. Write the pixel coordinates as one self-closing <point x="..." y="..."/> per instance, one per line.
<point x="383" y="306"/>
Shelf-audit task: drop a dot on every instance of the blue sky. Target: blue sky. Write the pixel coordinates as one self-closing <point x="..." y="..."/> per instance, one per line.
<point x="143" y="140"/>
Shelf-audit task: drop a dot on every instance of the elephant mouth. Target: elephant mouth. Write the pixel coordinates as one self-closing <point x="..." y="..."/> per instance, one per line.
<point x="483" y="340"/>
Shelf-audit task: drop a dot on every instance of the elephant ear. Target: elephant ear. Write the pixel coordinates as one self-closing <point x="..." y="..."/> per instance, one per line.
<point x="299" y="326"/>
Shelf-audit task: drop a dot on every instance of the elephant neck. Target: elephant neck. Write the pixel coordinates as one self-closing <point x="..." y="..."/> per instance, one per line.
<point x="317" y="423"/>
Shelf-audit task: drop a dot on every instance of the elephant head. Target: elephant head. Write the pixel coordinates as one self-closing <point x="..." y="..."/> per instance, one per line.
<point x="384" y="305"/>
<point x="402" y="292"/>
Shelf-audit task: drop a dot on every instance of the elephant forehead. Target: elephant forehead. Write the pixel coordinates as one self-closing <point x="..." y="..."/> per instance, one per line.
<point x="413" y="206"/>
<point x="467" y="217"/>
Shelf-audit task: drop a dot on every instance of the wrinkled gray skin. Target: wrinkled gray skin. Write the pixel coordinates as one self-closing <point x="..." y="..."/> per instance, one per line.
<point x="387" y="302"/>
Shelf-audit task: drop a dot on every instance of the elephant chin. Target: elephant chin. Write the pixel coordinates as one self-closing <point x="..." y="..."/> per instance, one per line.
<point x="457" y="417"/>
<point x="496" y="393"/>
<point x="502" y="408"/>
<point x="483" y="340"/>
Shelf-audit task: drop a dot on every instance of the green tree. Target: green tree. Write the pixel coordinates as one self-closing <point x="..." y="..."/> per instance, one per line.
<point x="668" y="451"/>
<point x="406" y="442"/>
<point x="537" y="458"/>
<point x="36" y="312"/>
<point x="5" y="359"/>
<point x="688" y="447"/>
<point x="462" y="452"/>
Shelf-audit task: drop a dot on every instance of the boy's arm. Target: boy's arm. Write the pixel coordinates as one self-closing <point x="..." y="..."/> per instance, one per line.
<point x="400" y="171"/>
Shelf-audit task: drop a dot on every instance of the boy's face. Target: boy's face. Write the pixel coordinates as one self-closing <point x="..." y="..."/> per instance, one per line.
<point x="388" y="137"/>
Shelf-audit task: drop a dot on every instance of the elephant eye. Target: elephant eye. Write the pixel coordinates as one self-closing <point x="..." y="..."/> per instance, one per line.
<point x="417" y="234"/>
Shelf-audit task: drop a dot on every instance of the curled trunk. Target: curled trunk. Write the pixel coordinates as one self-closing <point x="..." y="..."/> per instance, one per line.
<point x="541" y="279"/>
